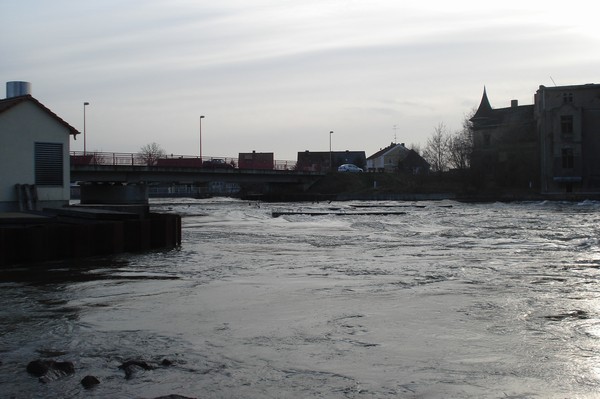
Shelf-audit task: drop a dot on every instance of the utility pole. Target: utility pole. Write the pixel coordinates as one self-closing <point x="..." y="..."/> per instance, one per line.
<point x="85" y="104"/>
<point x="330" y="163"/>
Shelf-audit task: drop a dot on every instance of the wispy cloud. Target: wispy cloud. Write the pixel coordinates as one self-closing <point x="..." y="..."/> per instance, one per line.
<point x="260" y="70"/>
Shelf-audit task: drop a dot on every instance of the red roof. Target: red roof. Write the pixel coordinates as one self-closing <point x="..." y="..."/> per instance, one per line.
<point x="9" y="103"/>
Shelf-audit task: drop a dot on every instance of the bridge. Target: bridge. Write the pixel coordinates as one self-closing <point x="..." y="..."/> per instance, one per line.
<point x="176" y="170"/>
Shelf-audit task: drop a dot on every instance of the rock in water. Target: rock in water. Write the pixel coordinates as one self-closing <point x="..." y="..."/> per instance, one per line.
<point x="38" y="367"/>
<point x="173" y="397"/>
<point x="131" y="366"/>
<point x="48" y="370"/>
<point x="89" y="381"/>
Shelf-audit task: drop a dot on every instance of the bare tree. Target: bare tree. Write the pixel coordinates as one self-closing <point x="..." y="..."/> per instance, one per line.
<point x="460" y="149"/>
<point x="150" y="153"/>
<point x="461" y="144"/>
<point x="437" y="149"/>
<point x="97" y="158"/>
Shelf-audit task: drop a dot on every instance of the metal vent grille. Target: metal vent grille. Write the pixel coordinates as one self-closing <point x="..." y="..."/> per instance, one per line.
<point x="49" y="164"/>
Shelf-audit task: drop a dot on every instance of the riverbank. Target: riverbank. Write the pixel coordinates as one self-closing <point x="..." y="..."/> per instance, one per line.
<point x="399" y="187"/>
<point x="434" y="187"/>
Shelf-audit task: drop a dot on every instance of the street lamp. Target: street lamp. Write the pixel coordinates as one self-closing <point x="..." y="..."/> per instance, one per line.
<point x="330" y="163"/>
<point x="201" y="117"/>
<point x="84" y="144"/>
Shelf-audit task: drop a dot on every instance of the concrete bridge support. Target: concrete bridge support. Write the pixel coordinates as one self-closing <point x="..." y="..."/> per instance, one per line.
<point x="114" y="194"/>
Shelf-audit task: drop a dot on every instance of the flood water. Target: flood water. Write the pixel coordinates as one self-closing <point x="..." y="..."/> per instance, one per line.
<point x="447" y="300"/>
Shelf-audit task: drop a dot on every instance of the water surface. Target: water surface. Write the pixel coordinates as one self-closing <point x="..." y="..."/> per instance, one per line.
<point x="447" y="300"/>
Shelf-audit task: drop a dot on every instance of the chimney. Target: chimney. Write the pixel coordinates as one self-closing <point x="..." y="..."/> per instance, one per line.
<point x="16" y="89"/>
<point x="514" y="103"/>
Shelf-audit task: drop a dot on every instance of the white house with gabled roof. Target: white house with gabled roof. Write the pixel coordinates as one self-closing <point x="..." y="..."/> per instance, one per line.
<point x="386" y="159"/>
<point x="397" y="158"/>
<point x="34" y="155"/>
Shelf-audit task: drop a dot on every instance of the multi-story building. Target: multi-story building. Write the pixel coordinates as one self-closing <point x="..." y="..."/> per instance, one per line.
<point x="568" y="123"/>
<point x="552" y="146"/>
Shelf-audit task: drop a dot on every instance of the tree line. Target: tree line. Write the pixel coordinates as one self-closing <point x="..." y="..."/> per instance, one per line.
<point x="446" y="150"/>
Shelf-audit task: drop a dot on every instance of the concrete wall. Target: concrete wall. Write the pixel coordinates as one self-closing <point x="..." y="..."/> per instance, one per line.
<point x="114" y="194"/>
<point x="61" y="238"/>
<point x="21" y="127"/>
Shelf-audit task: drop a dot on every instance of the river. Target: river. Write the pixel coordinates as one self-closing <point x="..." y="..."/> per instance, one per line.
<point x="435" y="300"/>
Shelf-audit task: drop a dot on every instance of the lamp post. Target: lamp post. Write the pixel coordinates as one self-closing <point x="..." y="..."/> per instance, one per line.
<point x="330" y="163"/>
<point x="85" y="104"/>
<point x="201" y="117"/>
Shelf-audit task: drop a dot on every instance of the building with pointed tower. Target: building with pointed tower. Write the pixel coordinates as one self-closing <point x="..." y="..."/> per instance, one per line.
<point x="505" y="147"/>
<point x="550" y="147"/>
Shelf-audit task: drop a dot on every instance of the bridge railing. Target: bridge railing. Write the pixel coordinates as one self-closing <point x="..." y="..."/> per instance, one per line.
<point x="187" y="161"/>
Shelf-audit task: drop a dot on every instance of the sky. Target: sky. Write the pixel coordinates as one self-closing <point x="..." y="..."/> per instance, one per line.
<point x="279" y="75"/>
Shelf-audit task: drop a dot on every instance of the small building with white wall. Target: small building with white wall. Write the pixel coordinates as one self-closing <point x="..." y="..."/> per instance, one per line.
<point x="397" y="158"/>
<point x="34" y="153"/>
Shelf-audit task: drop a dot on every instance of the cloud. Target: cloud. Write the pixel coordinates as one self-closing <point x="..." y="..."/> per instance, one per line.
<point x="280" y="73"/>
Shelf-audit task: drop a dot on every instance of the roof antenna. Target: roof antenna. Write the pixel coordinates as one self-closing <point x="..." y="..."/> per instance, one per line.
<point x="553" y="81"/>
<point x="395" y="129"/>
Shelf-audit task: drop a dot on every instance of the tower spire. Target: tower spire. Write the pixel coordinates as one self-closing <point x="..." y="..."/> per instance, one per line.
<point x="484" y="107"/>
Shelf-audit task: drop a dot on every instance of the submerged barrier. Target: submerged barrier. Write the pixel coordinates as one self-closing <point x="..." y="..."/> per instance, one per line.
<point x="59" y="236"/>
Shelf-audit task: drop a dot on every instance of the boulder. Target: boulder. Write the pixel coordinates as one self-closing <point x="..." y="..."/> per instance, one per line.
<point x="89" y="381"/>
<point x="48" y="370"/>
<point x="131" y="366"/>
<point x="173" y="397"/>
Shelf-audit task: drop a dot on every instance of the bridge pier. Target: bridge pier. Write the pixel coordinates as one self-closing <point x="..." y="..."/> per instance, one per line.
<point x="114" y="194"/>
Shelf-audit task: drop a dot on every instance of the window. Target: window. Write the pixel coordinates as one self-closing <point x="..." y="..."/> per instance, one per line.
<point x="567" y="97"/>
<point x="568" y="160"/>
<point x="566" y="125"/>
<point x="487" y="140"/>
<point x="48" y="164"/>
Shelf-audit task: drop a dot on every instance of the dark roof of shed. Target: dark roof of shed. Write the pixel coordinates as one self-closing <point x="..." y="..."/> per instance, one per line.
<point x="9" y="103"/>
<point x="413" y="158"/>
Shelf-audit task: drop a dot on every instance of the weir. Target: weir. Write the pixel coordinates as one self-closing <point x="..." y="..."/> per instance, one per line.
<point x="112" y="219"/>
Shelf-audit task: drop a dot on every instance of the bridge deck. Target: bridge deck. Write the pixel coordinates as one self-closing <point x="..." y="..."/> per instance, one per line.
<point x="159" y="174"/>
